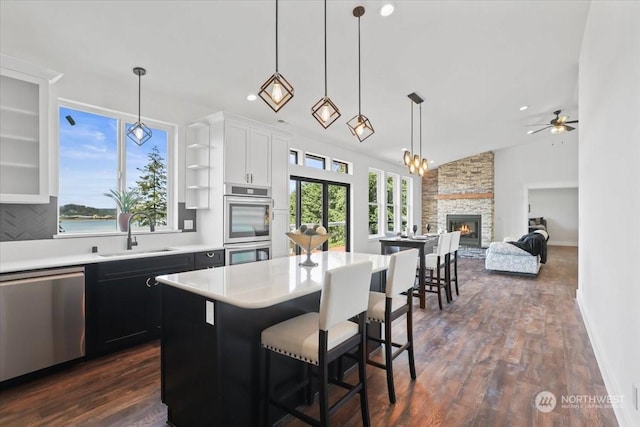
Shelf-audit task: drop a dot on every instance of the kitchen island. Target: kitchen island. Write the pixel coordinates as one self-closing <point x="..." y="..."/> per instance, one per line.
<point x="211" y="325"/>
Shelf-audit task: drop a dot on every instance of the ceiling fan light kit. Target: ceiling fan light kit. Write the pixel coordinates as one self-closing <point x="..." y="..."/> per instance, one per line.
<point x="557" y="125"/>
<point x="139" y="132"/>
<point x="276" y="91"/>
<point x="325" y="111"/>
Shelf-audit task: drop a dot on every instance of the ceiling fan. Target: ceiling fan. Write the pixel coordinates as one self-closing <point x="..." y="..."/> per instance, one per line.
<point x="557" y="125"/>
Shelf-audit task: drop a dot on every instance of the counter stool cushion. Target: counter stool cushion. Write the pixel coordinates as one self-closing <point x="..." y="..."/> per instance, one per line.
<point x="377" y="301"/>
<point x="298" y="337"/>
<point x="431" y="261"/>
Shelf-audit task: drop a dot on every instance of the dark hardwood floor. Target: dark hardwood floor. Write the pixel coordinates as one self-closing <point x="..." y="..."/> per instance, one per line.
<point x="480" y="362"/>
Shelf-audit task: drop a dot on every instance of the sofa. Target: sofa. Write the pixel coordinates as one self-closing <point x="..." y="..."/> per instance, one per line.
<point x="505" y="257"/>
<point x="538" y="223"/>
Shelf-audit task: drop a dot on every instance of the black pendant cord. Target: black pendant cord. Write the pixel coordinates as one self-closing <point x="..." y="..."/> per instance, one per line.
<point x="359" y="83"/>
<point x="420" y="107"/>
<point x="325" y="48"/>
<point x="276" y="36"/>
<point x="139" y="95"/>
<point x="411" y="129"/>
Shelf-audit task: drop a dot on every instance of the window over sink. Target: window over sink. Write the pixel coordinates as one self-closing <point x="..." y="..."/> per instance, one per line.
<point x="95" y="157"/>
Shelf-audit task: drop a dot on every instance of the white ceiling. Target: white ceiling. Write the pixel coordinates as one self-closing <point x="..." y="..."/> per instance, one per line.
<point x="474" y="62"/>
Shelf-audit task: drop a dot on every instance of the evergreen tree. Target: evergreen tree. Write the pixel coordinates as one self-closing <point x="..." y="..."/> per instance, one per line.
<point x="152" y="186"/>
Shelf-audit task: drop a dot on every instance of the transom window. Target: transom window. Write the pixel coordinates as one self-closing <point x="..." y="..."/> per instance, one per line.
<point x="97" y="158"/>
<point x="313" y="161"/>
<point x="339" y="166"/>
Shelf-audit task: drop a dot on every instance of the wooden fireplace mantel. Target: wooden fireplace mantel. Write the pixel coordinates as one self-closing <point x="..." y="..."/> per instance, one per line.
<point x="464" y="196"/>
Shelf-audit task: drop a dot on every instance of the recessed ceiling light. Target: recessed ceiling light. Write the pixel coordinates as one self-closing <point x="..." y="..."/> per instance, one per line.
<point x="432" y="161"/>
<point x="251" y="97"/>
<point x="387" y="9"/>
<point x="524" y="107"/>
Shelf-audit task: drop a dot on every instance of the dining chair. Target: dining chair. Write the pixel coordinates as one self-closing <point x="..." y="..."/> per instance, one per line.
<point x="388" y="306"/>
<point x="436" y="263"/>
<point x="453" y="261"/>
<point x="320" y="338"/>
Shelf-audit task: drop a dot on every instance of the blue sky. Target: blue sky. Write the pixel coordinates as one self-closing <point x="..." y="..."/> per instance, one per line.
<point x="89" y="157"/>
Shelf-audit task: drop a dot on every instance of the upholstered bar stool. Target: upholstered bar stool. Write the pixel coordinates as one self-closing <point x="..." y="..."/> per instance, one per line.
<point x="453" y="261"/>
<point x="320" y="338"/>
<point x="437" y="263"/>
<point x="388" y="306"/>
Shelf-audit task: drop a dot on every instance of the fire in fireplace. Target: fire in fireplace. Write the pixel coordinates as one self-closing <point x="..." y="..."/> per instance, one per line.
<point x="469" y="226"/>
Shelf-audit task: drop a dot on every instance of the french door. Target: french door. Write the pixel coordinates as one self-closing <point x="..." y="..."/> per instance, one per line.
<point x="321" y="202"/>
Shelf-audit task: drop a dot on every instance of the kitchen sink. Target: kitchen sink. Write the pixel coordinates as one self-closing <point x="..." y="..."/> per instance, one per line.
<point x="150" y="251"/>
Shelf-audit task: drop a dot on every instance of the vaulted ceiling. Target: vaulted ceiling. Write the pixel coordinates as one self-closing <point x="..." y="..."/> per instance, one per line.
<point x="474" y="62"/>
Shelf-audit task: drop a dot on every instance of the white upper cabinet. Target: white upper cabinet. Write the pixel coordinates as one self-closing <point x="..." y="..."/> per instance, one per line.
<point x="247" y="154"/>
<point x="24" y="132"/>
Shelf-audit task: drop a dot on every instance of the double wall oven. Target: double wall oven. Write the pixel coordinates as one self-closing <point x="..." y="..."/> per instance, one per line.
<point x="247" y="223"/>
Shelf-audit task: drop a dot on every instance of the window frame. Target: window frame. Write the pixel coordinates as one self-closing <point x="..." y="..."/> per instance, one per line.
<point x="296" y="154"/>
<point x="316" y="157"/>
<point x="122" y="120"/>
<point x="377" y="203"/>
<point x="335" y="162"/>
<point x="395" y="202"/>
<point x="409" y="182"/>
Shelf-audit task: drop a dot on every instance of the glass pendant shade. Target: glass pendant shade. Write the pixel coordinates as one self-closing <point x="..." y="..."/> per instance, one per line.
<point x="139" y="132"/>
<point x="325" y="112"/>
<point x="360" y="127"/>
<point x="406" y="158"/>
<point x="276" y="92"/>
<point x="420" y="170"/>
<point x="425" y="164"/>
<point x="412" y="168"/>
<point x="558" y="129"/>
<point x="416" y="161"/>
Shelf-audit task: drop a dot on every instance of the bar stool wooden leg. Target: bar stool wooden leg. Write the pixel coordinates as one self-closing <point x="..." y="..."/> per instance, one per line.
<point x="388" y="355"/>
<point x="267" y="387"/>
<point x="412" y="363"/>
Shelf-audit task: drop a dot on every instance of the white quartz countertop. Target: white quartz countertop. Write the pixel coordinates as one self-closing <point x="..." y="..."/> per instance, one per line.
<point x="265" y="283"/>
<point x="91" y="258"/>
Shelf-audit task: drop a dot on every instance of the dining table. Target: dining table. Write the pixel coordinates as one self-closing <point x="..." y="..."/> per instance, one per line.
<point x="424" y="244"/>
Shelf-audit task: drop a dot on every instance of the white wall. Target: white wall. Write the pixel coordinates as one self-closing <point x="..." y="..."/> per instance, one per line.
<point x="608" y="280"/>
<point x="548" y="162"/>
<point x="359" y="185"/>
<point x="559" y="207"/>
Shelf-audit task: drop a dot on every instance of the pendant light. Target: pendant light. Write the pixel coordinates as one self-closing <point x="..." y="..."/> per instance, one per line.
<point x="360" y="126"/>
<point x="412" y="160"/>
<point x="325" y="111"/>
<point x="421" y="167"/>
<point x="139" y="132"/>
<point x="276" y="91"/>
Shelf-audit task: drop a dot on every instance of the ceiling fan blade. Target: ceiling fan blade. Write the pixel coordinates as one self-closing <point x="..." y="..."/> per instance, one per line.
<point x="569" y="128"/>
<point x="572" y="121"/>
<point x="540" y="130"/>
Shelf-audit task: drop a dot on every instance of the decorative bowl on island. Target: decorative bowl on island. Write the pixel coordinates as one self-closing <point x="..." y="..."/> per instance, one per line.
<point x="309" y="239"/>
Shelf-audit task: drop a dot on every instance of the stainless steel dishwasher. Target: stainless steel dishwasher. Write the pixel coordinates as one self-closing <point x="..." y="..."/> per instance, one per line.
<point x="41" y="320"/>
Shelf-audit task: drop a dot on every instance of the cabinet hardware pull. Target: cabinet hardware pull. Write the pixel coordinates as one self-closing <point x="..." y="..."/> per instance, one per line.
<point x="210" y="254"/>
<point x="147" y="282"/>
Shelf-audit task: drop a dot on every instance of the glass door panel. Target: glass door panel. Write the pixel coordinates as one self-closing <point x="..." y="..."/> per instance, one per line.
<point x="337" y="217"/>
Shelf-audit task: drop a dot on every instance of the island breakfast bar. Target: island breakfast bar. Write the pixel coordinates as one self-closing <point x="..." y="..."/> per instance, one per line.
<point x="211" y="325"/>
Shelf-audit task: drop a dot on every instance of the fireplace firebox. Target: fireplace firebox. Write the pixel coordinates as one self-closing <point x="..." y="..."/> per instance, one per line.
<point x="469" y="226"/>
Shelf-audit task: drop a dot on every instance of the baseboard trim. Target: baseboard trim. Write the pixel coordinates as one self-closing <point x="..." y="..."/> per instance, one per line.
<point x="624" y="420"/>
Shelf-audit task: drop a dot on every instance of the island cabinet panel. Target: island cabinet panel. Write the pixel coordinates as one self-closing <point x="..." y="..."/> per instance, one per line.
<point x="212" y="374"/>
<point x="123" y="301"/>
<point x="209" y="259"/>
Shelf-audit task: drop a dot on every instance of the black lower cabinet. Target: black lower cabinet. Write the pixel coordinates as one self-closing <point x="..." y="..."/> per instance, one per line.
<point x="124" y="302"/>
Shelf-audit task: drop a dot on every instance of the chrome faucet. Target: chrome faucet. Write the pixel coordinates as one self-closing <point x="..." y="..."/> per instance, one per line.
<point x="133" y="242"/>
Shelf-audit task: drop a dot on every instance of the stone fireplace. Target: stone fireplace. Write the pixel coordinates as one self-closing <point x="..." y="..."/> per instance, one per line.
<point x="462" y="188"/>
<point x="469" y="226"/>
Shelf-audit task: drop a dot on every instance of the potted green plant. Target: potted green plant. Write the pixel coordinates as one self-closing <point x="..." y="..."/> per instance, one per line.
<point x="126" y="201"/>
